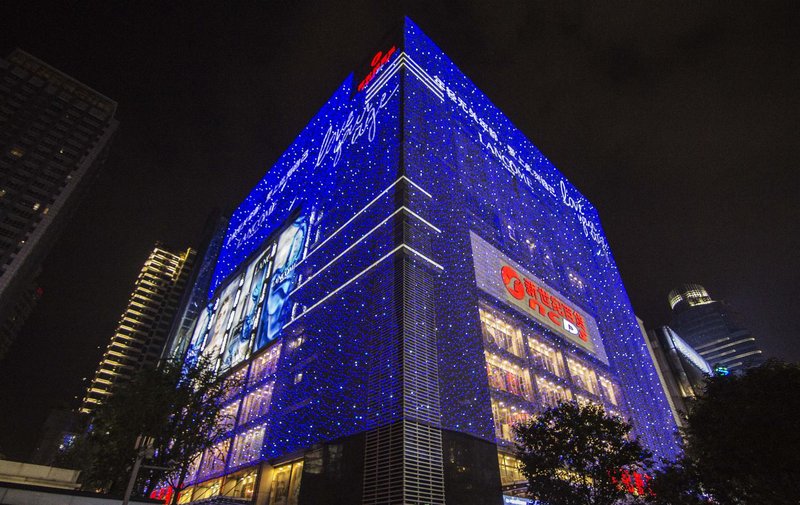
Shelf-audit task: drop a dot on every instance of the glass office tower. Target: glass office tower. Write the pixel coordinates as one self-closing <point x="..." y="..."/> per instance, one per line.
<point x="410" y="279"/>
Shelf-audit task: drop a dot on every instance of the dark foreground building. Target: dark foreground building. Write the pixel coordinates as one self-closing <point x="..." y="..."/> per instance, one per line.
<point x="410" y="279"/>
<point x="54" y="136"/>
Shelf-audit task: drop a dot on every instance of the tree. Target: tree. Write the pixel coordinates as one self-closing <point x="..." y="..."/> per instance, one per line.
<point x="743" y="436"/>
<point x="677" y="483"/>
<point x="179" y="409"/>
<point x="578" y="455"/>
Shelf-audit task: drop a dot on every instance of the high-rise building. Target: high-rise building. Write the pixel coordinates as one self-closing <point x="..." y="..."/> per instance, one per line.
<point x="144" y="326"/>
<point x="408" y="281"/>
<point x="709" y="327"/>
<point x="54" y="136"/>
<point x="195" y="299"/>
<point x="683" y="370"/>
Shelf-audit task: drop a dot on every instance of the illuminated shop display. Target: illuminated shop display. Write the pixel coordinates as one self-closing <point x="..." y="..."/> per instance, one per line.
<point x="413" y="267"/>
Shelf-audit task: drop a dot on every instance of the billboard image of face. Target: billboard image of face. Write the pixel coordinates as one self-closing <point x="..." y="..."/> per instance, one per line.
<point x="251" y="309"/>
<point x="288" y="253"/>
<point x="216" y="335"/>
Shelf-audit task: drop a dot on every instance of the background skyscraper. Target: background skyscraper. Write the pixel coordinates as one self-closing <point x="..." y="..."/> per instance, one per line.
<point x="708" y="326"/>
<point x="54" y="136"/>
<point x="144" y="326"/>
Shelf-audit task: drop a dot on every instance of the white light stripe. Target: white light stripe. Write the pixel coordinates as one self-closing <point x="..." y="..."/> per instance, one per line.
<point x="424" y="221"/>
<point x="414" y="68"/>
<point x="385" y="76"/>
<point x="362" y="273"/>
<point x="363" y="237"/>
<point x="362" y="210"/>
<point x="424" y="76"/>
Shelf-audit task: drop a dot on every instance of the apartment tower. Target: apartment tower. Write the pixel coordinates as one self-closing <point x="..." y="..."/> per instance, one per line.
<point x="144" y="325"/>
<point x="54" y="137"/>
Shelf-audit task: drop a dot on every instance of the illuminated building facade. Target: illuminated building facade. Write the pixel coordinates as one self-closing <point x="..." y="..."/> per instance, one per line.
<point x="144" y="325"/>
<point x="709" y="327"/>
<point x="54" y="136"/>
<point x="410" y="279"/>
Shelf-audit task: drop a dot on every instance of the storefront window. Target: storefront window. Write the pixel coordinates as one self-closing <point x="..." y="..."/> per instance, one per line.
<point x="546" y="357"/>
<point x="501" y="334"/>
<point x="583" y="376"/>
<point x="240" y="484"/>
<point x="285" y="487"/>
<point x="507" y="376"/>
<point x="510" y="472"/>
<point x="206" y="490"/>
<point x="505" y="417"/>
<point x="256" y="403"/>
<point x="551" y="394"/>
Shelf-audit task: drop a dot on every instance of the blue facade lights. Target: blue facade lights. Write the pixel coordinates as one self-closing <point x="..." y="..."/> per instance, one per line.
<point x="309" y="263"/>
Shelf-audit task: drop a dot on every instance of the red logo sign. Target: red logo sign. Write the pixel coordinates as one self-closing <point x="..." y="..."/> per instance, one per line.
<point x="543" y="304"/>
<point x="378" y="61"/>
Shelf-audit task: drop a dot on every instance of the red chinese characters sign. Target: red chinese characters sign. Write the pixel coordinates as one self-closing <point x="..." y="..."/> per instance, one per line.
<point x="506" y="280"/>
<point x="544" y="304"/>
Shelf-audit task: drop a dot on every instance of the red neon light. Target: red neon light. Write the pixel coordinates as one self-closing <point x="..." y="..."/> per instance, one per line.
<point x="545" y="303"/>
<point x="378" y="61"/>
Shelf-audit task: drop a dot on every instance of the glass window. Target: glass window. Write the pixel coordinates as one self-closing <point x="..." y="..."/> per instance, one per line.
<point x="206" y="490"/>
<point x="214" y="459"/>
<point x="247" y="446"/>
<point x="265" y="365"/>
<point x="546" y="357"/>
<point x="507" y="376"/>
<point x="608" y="390"/>
<point x="256" y="403"/>
<point x="500" y="333"/>
<point x="551" y="394"/>
<point x="240" y="484"/>
<point x="227" y="418"/>
<point x="285" y="487"/>
<point x="583" y="376"/>
<point x="510" y="471"/>
<point x="505" y="417"/>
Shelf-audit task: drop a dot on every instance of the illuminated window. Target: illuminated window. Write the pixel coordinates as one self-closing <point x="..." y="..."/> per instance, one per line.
<point x="265" y="365"/>
<point x="256" y="403"/>
<point x="17" y="152"/>
<point x="36" y="206"/>
<point x="608" y="390"/>
<point x="505" y="417"/>
<point x="240" y="484"/>
<point x="206" y="490"/>
<point x="583" y="401"/>
<point x="214" y="460"/>
<point x="583" y="376"/>
<point x="507" y="376"/>
<point x="551" y="394"/>
<point x="500" y="333"/>
<point x="510" y="472"/>
<point x="285" y="488"/>
<point x="227" y="417"/>
<point x="546" y="357"/>
<point x="247" y="446"/>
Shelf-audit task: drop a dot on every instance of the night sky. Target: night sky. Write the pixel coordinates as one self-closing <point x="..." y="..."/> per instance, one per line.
<point x="679" y="121"/>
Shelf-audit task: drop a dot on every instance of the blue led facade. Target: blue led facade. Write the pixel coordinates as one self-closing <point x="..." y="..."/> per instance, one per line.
<point x="412" y="192"/>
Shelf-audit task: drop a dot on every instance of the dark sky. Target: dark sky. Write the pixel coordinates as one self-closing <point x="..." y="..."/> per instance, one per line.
<point x="678" y="120"/>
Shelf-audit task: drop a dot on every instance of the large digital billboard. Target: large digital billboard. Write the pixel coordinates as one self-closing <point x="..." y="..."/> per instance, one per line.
<point x="249" y="311"/>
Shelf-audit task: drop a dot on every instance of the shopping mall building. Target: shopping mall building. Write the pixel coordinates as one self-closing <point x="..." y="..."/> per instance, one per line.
<point x="410" y="279"/>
